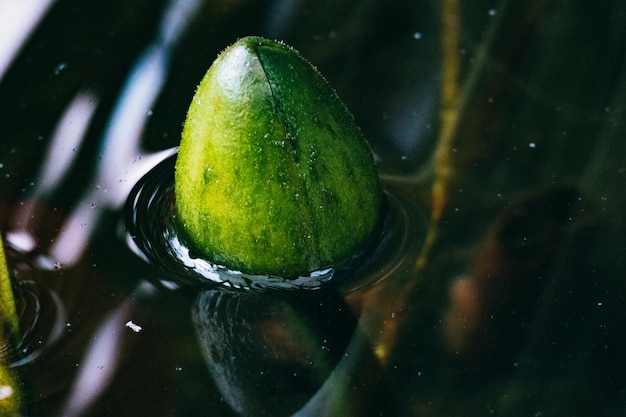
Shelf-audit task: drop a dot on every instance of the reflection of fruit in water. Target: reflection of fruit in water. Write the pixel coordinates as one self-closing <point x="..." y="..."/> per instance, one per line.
<point x="273" y="176"/>
<point x="493" y="306"/>
<point x="270" y="354"/>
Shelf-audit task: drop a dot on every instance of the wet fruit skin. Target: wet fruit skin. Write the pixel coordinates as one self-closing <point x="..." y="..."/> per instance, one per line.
<point x="273" y="176"/>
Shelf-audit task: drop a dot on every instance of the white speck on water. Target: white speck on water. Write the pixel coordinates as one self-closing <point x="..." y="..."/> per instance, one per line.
<point x="134" y="327"/>
<point x="1" y="165"/>
<point x="532" y="145"/>
<point x="492" y="12"/>
<point x="417" y="35"/>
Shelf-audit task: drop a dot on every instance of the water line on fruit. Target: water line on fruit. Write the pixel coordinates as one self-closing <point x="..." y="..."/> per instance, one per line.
<point x="154" y="235"/>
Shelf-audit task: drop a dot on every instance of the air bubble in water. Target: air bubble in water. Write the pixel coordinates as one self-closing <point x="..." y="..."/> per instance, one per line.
<point x="59" y="68"/>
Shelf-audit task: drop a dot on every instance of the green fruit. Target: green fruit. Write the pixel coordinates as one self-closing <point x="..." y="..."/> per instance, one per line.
<point x="8" y="313"/>
<point x="10" y="401"/>
<point x="273" y="176"/>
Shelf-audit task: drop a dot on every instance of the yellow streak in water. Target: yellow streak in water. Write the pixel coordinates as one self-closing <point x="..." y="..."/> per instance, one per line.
<point x="450" y="101"/>
<point x="443" y="170"/>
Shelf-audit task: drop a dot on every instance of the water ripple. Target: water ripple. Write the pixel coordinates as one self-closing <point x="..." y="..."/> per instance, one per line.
<point x="155" y="235"/>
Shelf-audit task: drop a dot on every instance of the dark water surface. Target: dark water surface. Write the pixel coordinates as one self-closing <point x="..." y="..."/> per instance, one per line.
<point x="504" y="120"/>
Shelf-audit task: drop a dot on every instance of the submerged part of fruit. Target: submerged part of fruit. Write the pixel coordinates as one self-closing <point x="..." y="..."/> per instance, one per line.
<point x="273" y="176"/>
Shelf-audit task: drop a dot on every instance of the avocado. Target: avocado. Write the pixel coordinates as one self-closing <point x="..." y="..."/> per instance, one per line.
<point x="273" y="176"/>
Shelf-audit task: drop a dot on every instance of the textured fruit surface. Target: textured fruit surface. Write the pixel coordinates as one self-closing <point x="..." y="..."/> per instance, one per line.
<point x="273" y="176"/>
